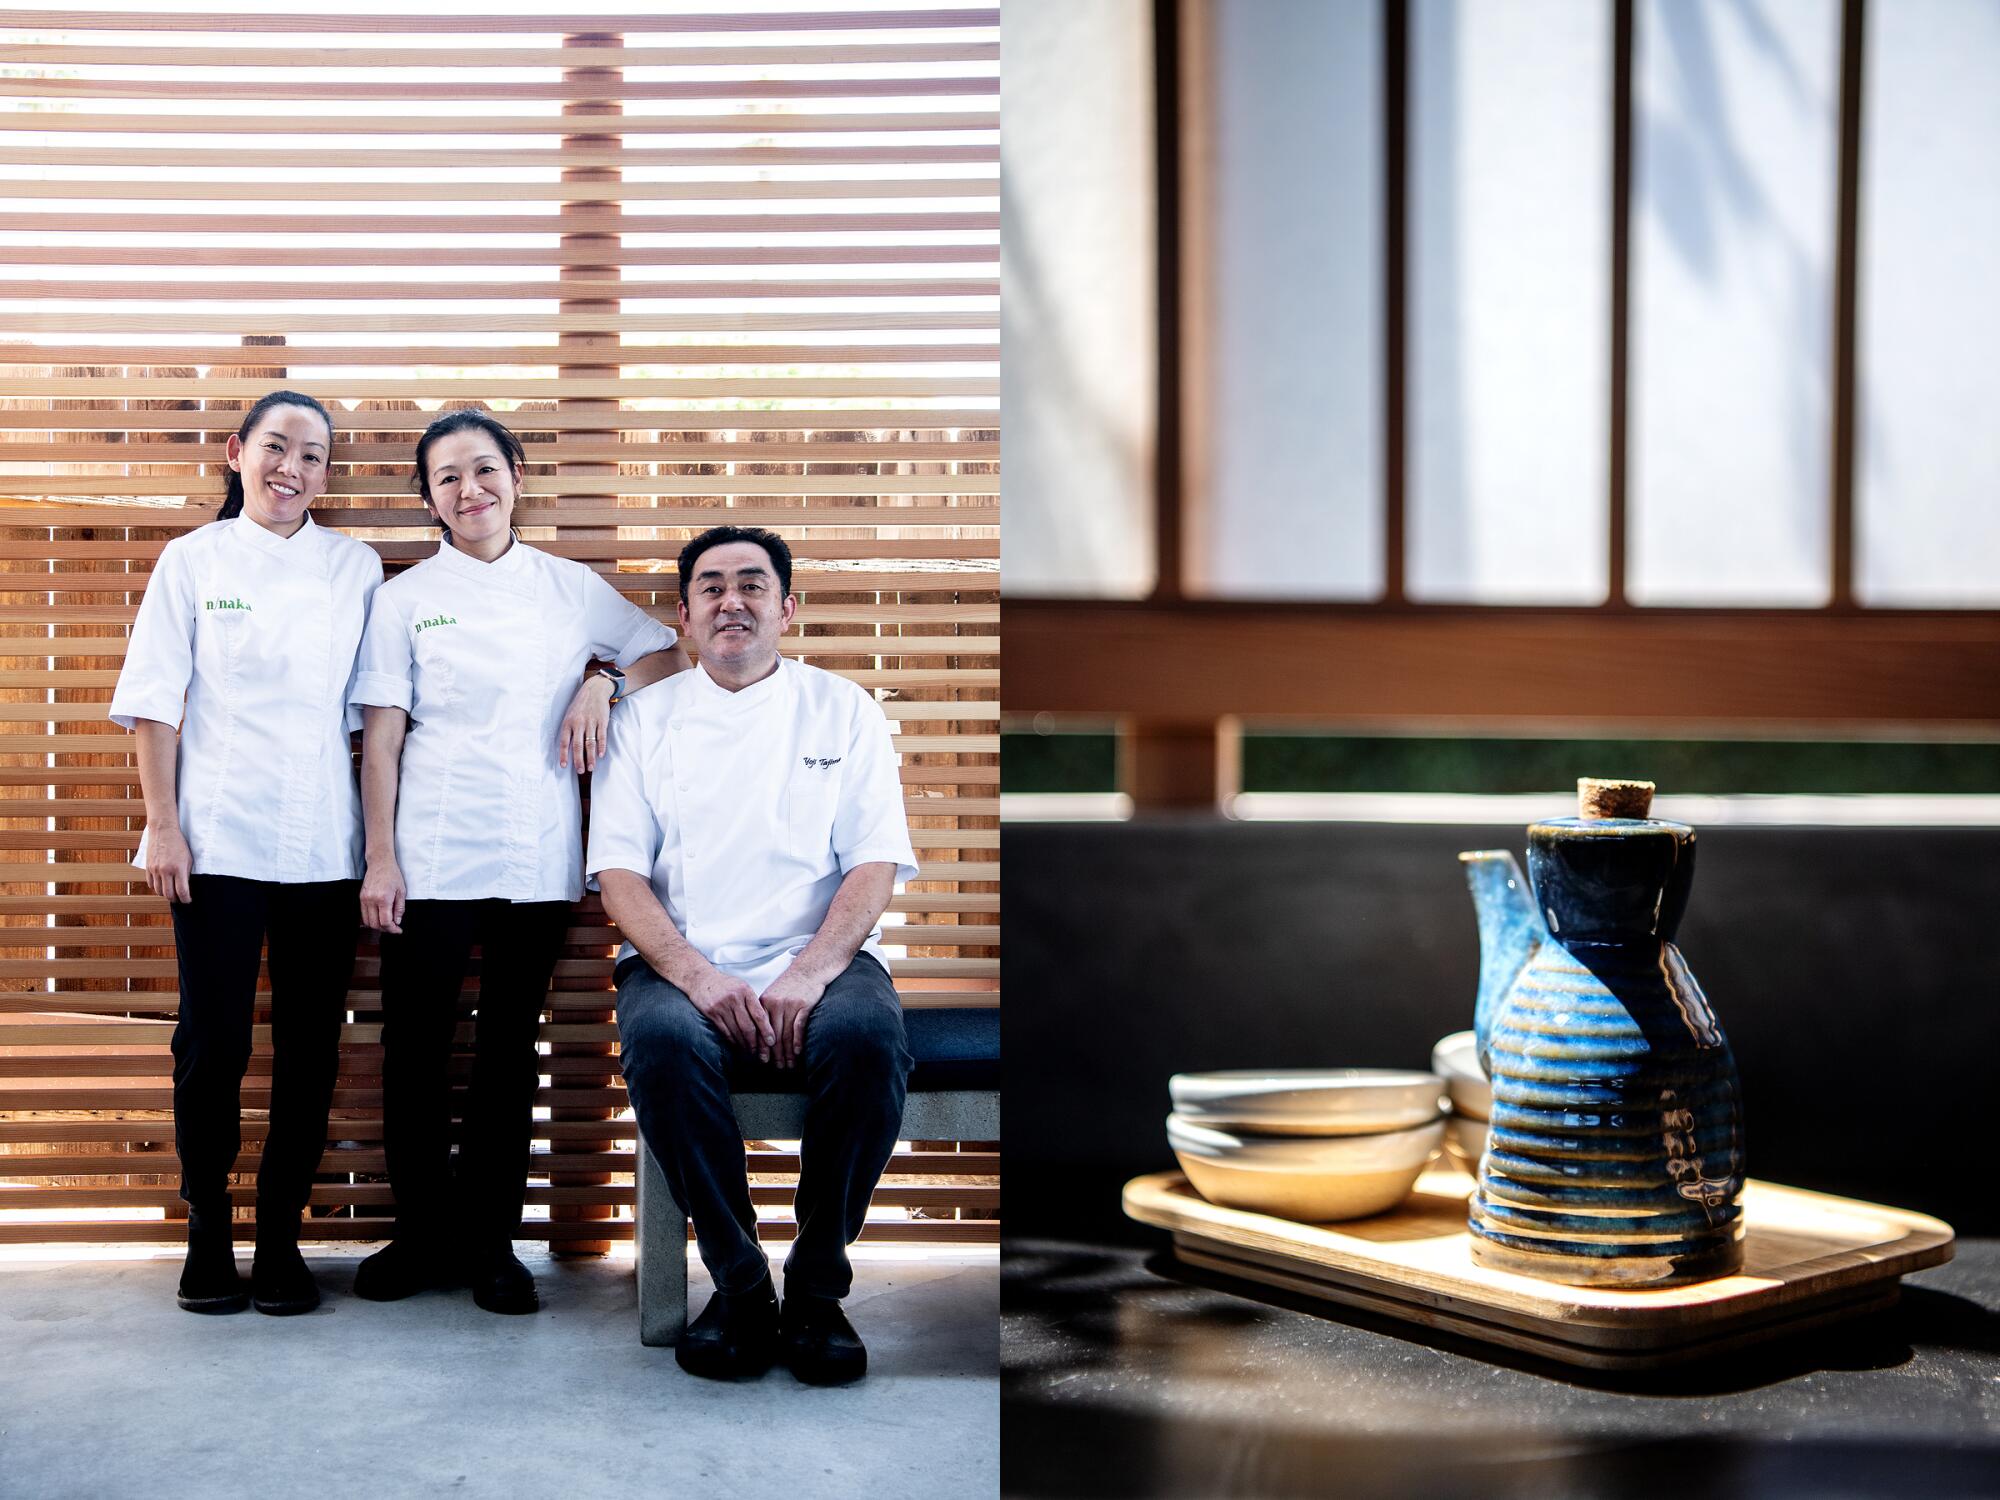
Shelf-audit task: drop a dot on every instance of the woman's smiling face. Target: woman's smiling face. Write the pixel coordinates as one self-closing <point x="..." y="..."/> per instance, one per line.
<point x="283" y="466"/>
<point x="473" y="486"/>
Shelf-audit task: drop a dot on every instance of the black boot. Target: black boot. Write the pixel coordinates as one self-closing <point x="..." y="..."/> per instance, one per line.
<point x="734" y="1337"/>
<point x="820" y="1345"/>
<point x="500" y="1283"/>
<point x="280" y="1284"/>
<point x="209" y="1283"/>
<point x="408" y="1264"/>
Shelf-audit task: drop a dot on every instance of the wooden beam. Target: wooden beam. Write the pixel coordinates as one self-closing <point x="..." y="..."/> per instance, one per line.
<point x="1646" y="672"/>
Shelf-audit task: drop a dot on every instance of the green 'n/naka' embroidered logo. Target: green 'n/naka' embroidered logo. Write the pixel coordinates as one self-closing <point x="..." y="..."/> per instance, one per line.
<point x="431" y="622"/>
<point x="225" y="604"/>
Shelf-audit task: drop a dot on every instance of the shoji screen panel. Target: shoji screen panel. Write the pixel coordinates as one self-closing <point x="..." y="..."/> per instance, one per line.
<point x="709" y="266"/>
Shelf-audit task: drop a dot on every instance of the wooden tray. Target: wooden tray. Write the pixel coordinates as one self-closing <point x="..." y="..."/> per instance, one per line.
<point x="1808" y="1259"/>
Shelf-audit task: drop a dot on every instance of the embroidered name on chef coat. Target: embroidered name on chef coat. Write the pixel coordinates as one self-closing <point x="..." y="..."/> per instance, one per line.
<point x="225" y="604"/>
<point x="821" y="762"/>
<point x="432" y="622"/>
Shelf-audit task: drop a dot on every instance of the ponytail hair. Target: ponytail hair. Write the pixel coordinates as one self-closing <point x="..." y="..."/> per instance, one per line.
<point x="232" y="492"/>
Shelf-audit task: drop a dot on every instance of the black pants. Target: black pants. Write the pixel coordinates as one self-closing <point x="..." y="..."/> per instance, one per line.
<point x="422" y="969"/>
<point x="678" y="1072"/>
<point x="312" y="929"/>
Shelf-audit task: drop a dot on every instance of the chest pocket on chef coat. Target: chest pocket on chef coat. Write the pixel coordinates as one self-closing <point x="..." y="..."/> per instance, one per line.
<point x="812" y="797"/>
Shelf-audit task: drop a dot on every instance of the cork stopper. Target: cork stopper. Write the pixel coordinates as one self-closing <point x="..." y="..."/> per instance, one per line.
<point x="1599" y="797"/>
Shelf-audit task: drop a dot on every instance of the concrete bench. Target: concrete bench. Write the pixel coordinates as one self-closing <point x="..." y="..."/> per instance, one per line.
<point x="954" y="1096"/>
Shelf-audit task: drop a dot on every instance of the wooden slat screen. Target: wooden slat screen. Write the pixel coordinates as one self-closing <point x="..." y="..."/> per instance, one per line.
<point x="706" y="265"/>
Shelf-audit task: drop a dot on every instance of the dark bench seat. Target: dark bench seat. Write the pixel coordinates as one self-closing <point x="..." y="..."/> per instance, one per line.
<point x="954" y="1096"/>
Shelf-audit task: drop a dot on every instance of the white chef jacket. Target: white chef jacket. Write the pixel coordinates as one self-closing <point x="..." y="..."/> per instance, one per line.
<point x="745" y="810"/>
<point x="485" y="658"/>
<point x="246" y="641"/>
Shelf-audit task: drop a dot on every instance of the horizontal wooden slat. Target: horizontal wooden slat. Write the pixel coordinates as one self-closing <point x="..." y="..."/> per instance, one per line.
<point x="732" y="321"/>
<point x="59" y="681"/>
<point x="24" y="153"/>
<point x="581" y="87"/>
<point x="639" y="583"/>
<point x="310" y="218"/>
<point x="595" y="1001"/>
<point x="172" y="1232"/>
<point x="540" y="1163"/>
<point x="80" y="713"/>
<point x="755" y="123"/>
<point x="39" y="55"/>
<point x="456" y="189"/>
<point x="587" y="255"/>
<point x="419" y="22"/>
<point x="66" y="873"/>
<point x="140" y="901"/>
<point x="794" y="419"/>
<point x="508" y="387"/>
<point x="631" y="289"/>
<point x="1691" y="673"/>
<point x="934" y="935"/>
<point x="38" y="515"/>
<point x="432" y="356"/>
<point x="17" y="648"/>
<point x="350" y="487"/>
<point x="933" y="548"/>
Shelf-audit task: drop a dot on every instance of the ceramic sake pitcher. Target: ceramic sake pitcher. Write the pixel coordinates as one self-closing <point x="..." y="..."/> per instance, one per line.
<point x="1615" y="1156"/>
<point x="1510" y="930"/>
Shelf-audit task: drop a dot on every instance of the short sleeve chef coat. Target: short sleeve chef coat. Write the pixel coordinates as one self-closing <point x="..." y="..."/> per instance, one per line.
<point x="745" y="810"/>
<point x="246" y="640"/>
<point x="485" y="658"/>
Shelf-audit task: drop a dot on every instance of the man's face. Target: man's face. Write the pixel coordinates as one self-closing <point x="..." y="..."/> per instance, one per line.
<point x="735" y="612"/>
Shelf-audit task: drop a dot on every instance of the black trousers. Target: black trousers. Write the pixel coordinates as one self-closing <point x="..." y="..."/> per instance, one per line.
<point x="312" y="930"/>
<point x="679" y="1070"/>
<point x="422" y="970"/>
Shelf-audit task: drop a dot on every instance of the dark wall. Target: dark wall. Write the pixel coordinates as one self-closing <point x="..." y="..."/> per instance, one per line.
<point x="1856" y="971"/>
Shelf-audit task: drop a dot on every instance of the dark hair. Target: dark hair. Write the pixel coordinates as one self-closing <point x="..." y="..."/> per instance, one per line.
<point x="466" y="419"/>
<point x="232" y="490"/>
<point x="721" y="536"/>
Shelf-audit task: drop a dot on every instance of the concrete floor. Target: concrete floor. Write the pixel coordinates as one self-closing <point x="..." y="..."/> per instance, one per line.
<point x="108" y="1389"/>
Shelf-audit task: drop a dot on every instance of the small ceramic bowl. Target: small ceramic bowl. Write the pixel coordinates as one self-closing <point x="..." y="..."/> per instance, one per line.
<point x="1315" y="1102"/>
<point x="1456" y="1060"/>
<point x="1464" y="1139"/>
<point x="1313" y="1179"/>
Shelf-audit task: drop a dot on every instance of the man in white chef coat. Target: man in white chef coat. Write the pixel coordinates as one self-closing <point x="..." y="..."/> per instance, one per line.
<point x="747" y="831"/>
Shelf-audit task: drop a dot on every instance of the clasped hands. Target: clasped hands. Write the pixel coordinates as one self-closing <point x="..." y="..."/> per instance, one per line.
<point x="771" y="1025"/>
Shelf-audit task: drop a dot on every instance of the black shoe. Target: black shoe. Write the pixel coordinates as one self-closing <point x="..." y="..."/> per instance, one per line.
<point x="280" y="1284"/>
<point x="209" y="1283"/>
<point x="735" y="1337"/>
<point x="501" y="1284"/>
<point x="820" y="1345"/>
<point x="400" y="1269"/>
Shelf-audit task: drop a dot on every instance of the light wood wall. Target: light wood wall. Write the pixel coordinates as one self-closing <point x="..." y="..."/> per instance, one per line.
<point x="833" y="293"/>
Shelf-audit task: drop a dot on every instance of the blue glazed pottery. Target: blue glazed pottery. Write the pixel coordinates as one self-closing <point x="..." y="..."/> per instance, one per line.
<point x="1510" y="930"/>
<point x="1615" y="1156"/>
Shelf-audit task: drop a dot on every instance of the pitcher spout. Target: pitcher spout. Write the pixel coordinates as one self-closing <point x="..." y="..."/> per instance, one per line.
<point x="1510" y="930"/>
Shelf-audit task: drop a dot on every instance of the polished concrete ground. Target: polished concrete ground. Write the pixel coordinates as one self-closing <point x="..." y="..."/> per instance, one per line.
<point x="108" y="1389"/>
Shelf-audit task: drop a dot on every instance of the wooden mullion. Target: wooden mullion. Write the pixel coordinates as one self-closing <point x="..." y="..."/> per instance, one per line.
<point x="1847" y="247"/>
<point x="1616" y="533"/>
<point x="1395" y="293"/>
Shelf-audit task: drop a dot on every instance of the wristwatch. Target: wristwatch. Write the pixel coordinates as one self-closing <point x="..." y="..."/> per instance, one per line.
<point x="616" y="679"/>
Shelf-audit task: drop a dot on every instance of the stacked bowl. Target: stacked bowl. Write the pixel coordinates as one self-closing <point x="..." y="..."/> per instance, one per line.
<point x="1456" y="1061"/>
<point x="1311" y="1145"/>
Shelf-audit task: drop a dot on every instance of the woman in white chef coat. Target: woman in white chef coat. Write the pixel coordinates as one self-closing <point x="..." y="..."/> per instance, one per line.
<point x="476" y="732"/>
<point x="245" y="642"/>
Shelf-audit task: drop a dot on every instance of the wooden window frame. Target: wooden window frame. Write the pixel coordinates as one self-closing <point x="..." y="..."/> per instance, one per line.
<point x="1840" y="670"/>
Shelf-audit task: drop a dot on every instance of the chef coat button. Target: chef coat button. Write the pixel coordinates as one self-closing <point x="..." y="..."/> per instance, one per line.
<point x="675" y="726"/>
<point x="690" y="853"/>
<point x="682" y="785"/>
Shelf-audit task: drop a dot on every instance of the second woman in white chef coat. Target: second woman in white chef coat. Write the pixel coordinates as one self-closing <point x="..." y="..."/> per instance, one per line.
<point x="479" y="720"/>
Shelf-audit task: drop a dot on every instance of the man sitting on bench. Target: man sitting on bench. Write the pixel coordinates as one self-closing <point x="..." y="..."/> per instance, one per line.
<point x="747" y="831"/>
